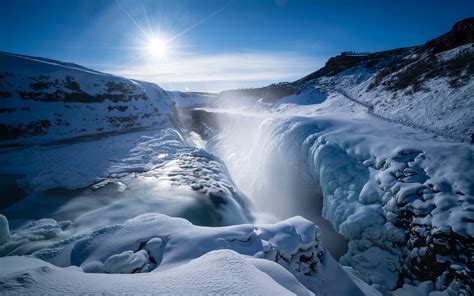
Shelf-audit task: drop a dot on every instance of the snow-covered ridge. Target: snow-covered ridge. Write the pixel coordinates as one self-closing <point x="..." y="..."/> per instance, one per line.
<point x="44" y="100"/>
<point x="429" y="86"/>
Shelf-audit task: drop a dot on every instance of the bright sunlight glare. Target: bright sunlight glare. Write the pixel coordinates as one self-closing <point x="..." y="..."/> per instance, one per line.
<point x="156" y="47"/>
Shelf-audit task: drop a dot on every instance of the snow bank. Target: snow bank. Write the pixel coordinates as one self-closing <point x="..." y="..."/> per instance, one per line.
<point x="389" y="194"/>
<point x="218" y="272"/>
<point x="291" y="243"/>
<point x="440" y="105"/>
<point x="82" y="163"/>
<point x="402" y="198"/>
<point x="278" y="258"/>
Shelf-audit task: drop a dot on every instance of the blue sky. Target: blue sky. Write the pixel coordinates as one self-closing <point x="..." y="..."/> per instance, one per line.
<point x="213" y="45"/>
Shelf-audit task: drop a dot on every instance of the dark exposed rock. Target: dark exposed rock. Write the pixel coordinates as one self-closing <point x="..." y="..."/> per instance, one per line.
<point x="445" y="255"/>
<point x="71" y="84"/>
<point x="4" y="94"/>
<point x="268" y="93"/>
<point x="125" y="121"/>
<point x="120" y="108"/>
<point x="461" y="33"/>
<point x="32" y="128"/>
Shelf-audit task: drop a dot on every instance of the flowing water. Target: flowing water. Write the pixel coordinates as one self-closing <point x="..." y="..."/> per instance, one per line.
<point x="263" y="159"/>
<point x="266" y="160"/>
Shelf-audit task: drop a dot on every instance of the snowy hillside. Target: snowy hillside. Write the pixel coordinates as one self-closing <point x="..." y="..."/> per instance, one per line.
<point x="43" y="100"/>
<point x="428" y="87"/>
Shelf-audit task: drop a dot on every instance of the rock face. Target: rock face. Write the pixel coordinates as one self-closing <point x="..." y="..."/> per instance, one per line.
<point x="390" y="61"/>
<point x="461" y="33"/>
<point x="50" y="100"/>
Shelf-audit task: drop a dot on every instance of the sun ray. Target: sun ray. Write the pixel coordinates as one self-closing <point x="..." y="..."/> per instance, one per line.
<point x="147" y="18"/>
<point x="200" y="22"/>
<point x="131" y="17"/>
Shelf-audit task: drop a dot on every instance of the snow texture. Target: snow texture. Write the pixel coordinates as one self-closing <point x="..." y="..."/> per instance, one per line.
<point x="45" y="100"/>
<point x="376" y="154"/>
<point x="385" y="189"/>
<point x="280" y="258"/>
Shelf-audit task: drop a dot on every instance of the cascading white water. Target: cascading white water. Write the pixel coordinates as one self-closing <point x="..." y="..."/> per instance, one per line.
<point x="269" y="163"/>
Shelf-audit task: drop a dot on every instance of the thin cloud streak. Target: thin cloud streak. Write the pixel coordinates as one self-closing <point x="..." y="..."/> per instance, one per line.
<point x="246" y="66"/>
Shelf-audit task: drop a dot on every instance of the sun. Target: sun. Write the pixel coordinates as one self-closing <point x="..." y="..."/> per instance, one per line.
<point x="156" y="47"/>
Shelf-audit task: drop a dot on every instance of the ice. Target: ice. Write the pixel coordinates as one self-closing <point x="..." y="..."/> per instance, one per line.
<point x="34" y="232"/>
<point x="4" y="230"/>
<point x="127" y="262"/>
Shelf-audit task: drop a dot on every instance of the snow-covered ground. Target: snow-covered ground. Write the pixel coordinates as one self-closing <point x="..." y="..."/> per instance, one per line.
<point x="193" y="193"/>
<point x="179" y="258"/>
<point x="108" y="188"/>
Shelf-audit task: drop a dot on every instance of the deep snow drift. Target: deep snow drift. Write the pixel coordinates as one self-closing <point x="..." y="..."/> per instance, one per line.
<point x="182" y="259"/>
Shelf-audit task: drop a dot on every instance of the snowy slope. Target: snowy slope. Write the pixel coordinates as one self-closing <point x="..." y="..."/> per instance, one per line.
<point x="44" y="100"/>
<point x="428" y="87"/>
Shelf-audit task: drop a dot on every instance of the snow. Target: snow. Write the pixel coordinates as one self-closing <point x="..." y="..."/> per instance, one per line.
<point x="140" y="104"/>
<point x="82" y="163"/>
<point x="367" y="170"/>
<point x="127" y="262"/>
<point x="161" y="206"/>
<point x="219" y="272"/>
<point x="136" y="173"/>
<point x="277" y="258"/>
<point x="438" y="108"/>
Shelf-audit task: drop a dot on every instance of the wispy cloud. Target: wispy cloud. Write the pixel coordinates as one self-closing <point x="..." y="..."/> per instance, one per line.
<point x="225" y="67"/>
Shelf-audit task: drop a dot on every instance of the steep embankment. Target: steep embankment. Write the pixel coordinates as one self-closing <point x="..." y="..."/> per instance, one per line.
<point x="43" y="100"/>
<point x="401" y="198"/>
<point x="428" y="87"/>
